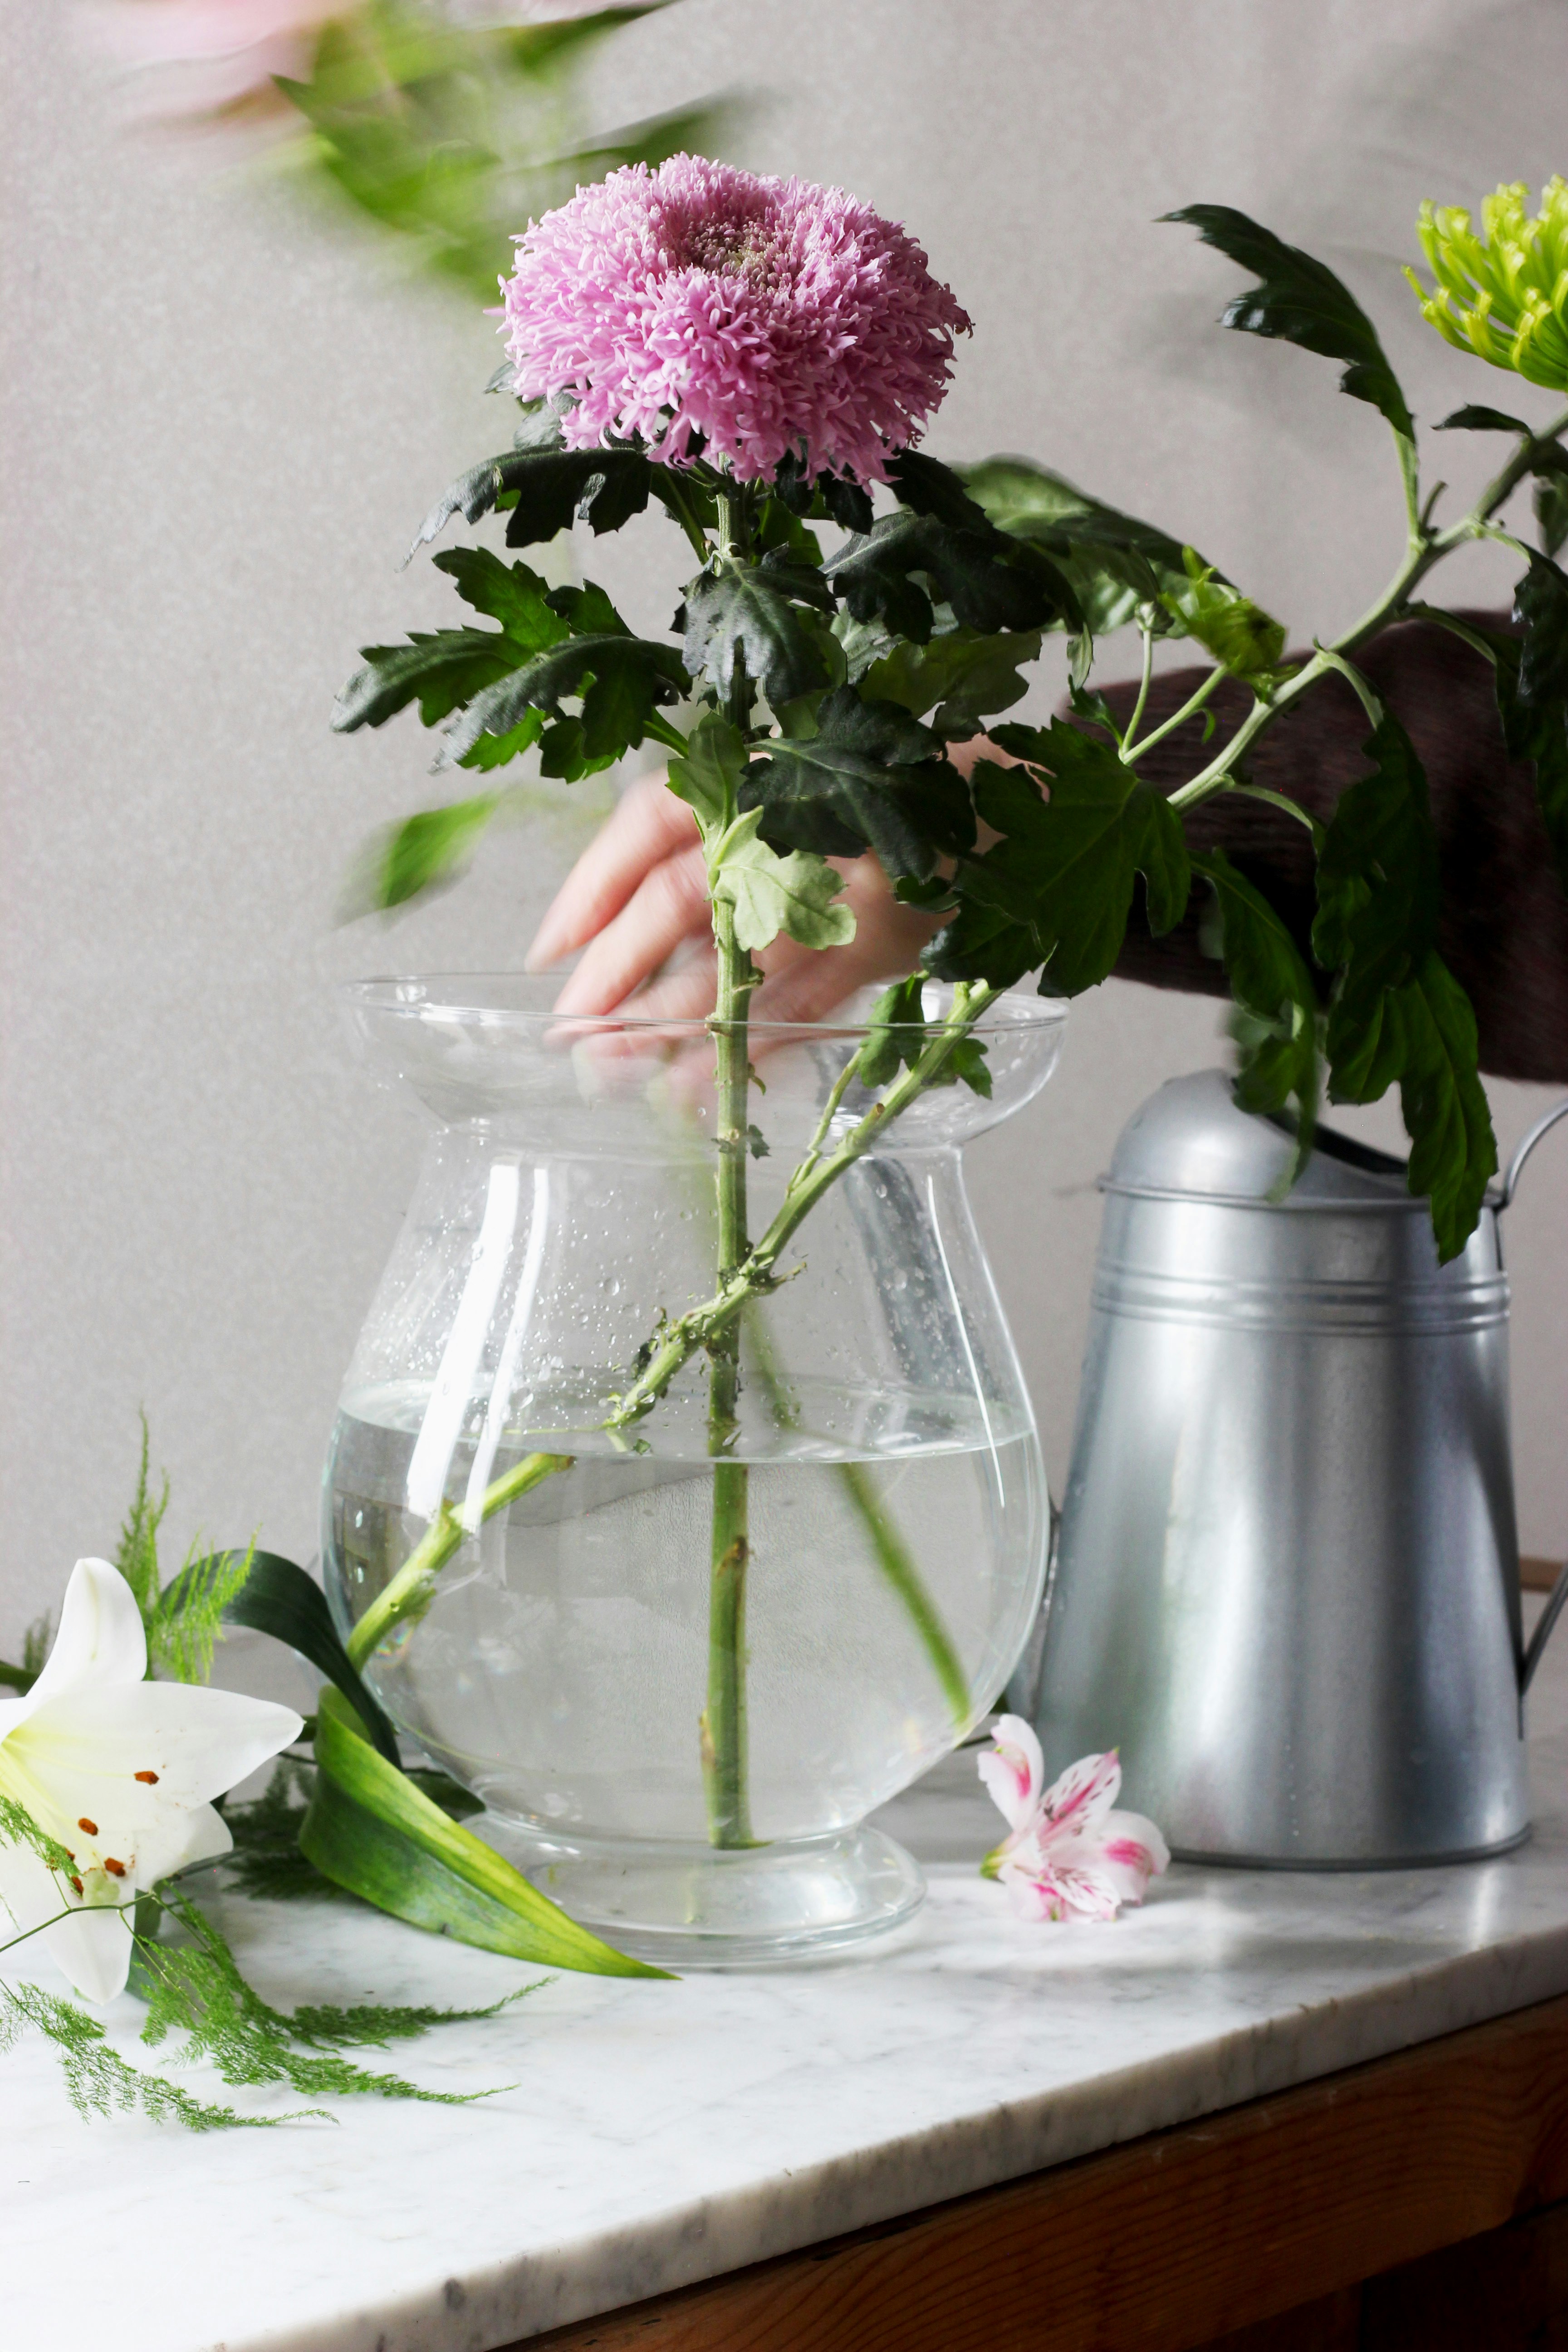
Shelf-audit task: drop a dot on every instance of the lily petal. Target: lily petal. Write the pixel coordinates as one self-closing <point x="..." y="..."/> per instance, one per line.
<point x="90" y="1944"/>
<point x="1014" y="1771"/>
<point x="100" y="1639"/>
<point x="74" y="1763"/>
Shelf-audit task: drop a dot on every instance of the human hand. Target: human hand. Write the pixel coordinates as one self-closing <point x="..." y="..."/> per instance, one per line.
<point x="637" y="896"/>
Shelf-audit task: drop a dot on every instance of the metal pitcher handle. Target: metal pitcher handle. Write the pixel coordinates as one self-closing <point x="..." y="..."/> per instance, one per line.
<point x="1559" y="1595"/>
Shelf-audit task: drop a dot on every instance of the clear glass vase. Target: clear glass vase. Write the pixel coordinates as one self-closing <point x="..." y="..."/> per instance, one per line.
<point x="677" y="1737"/>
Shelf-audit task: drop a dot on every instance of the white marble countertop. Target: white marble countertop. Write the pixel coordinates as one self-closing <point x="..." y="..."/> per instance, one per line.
<point x="659" y="2133"/>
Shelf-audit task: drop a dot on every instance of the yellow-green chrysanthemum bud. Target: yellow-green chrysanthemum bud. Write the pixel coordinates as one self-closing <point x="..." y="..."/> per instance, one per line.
<point x="1502" y="294"/>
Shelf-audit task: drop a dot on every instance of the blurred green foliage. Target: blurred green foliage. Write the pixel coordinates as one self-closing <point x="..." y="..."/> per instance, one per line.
<point x="456" y="135"/>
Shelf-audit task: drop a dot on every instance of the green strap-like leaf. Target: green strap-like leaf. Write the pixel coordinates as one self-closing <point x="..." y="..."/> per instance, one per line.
<point x="1298" y="299"/>
<point x="370" y="1830"/>
<point x="280" y="1599"/>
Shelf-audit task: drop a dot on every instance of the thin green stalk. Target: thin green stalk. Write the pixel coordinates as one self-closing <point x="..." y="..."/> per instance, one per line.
<point x="1425" y="550"/>
<point x="413" y="1588"/>
<point x="755" y="1277"/>
<point x="892" y="1554"/>
<point x="1143" y="684"/>
<point x="1189" y="710"/>
<point x="896" y="1564"/>
<point x="724" y="1721"/>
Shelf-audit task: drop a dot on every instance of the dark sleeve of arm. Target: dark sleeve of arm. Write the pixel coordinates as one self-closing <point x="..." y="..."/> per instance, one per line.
<point x="1504" y="927"/>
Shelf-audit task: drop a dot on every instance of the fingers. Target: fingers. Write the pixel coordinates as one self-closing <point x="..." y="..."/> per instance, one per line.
<point x="648" y="825"/>
<point x="669" y="905"/>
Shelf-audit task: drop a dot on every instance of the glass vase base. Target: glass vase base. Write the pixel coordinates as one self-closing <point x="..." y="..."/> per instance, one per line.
<point x="697" y="1906"/>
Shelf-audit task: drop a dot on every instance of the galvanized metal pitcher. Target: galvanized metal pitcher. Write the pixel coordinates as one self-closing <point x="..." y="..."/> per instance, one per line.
<point x="1286" y="1583"/>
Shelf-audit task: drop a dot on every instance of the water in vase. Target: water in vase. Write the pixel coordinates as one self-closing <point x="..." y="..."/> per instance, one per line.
<point x="561" y="1669"/>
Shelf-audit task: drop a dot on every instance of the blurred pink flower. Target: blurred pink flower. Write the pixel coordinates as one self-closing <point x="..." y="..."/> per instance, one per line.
<point x="1067" y="1854"/>
<point x="227" y="51"/>
<point x="700" y="309"/>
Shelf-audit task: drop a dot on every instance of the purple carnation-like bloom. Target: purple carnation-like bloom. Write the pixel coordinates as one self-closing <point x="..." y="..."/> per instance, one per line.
<point x="701" y="308"/>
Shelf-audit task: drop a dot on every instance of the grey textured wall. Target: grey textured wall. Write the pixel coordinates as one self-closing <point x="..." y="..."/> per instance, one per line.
<point x="220" y="424"/>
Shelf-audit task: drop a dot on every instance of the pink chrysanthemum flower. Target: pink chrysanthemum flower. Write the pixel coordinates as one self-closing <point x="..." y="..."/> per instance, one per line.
<point x="699" y="307"/>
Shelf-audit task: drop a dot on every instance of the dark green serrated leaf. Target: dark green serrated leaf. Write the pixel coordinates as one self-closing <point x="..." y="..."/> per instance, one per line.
<point x="868" y="777"/>
<point x="442" y="669"/>
<point x="1270" y="980"/>
<point x="548" y="489"/>
<point x="373" y="1831"/>
<point x="824" y="498"/>
<point x="1398" y="1016"/>
<point x="982" y="941"/>
<point x="1300" y="300"/>
<point x="1540" y="607"/>
<point x="1120" y="568"/>
<point x="1537" y="731"/>
<point x="622" y="681"/>
<point x="743" y="614"/>
<point x="1549" y="501"/>
<point x="991" y="582"/>
<point x="968" y="678"/>
<point x="1065" y="867"/>
<point x="896" y="1032"/>
<point x="512" y="594"/>
<point x="1472" y="419"/>
<point x="927" y="487"/>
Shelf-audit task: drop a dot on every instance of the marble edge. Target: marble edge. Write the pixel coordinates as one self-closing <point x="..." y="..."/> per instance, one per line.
<point x="587" y="2276"/>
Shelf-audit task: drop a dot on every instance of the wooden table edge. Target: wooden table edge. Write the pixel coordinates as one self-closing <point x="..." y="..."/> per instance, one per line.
<point x="1167" y="2243"/>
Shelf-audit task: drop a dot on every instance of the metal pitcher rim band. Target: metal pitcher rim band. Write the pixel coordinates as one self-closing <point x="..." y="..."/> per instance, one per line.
<point x="1350" y="1206"/>
<point x="1384" y="1308"/>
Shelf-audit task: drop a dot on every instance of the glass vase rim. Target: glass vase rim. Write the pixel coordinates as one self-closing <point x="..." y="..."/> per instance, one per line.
<point x="476" y="995"/>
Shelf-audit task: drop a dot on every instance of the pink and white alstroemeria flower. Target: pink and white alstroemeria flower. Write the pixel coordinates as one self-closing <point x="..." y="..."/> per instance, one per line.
<point x="119" y="1771"/>
<point x="1068" y="1854"/>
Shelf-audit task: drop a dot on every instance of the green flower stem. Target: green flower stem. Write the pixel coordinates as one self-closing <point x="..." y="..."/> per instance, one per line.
<point x="413" y="1588"/>
<point x="755" y="1276"/>
<point x="896" y="1564"/>
<point x="723" y="1722"/>
<point x="1426" y="549"/>
<point x="1143" y="684"/>
<point x="892" y="1554"/>
<point x="723" y="1727"/>
<point x="1189" y="710"/>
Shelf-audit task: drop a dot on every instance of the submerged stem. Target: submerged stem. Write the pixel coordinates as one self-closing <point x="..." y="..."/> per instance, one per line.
<point x="723" y="1720"/>
<point x="413" y="1588"/>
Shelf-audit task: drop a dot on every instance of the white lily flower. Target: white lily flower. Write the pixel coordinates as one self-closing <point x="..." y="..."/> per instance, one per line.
<point x="119" y="1771"/>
